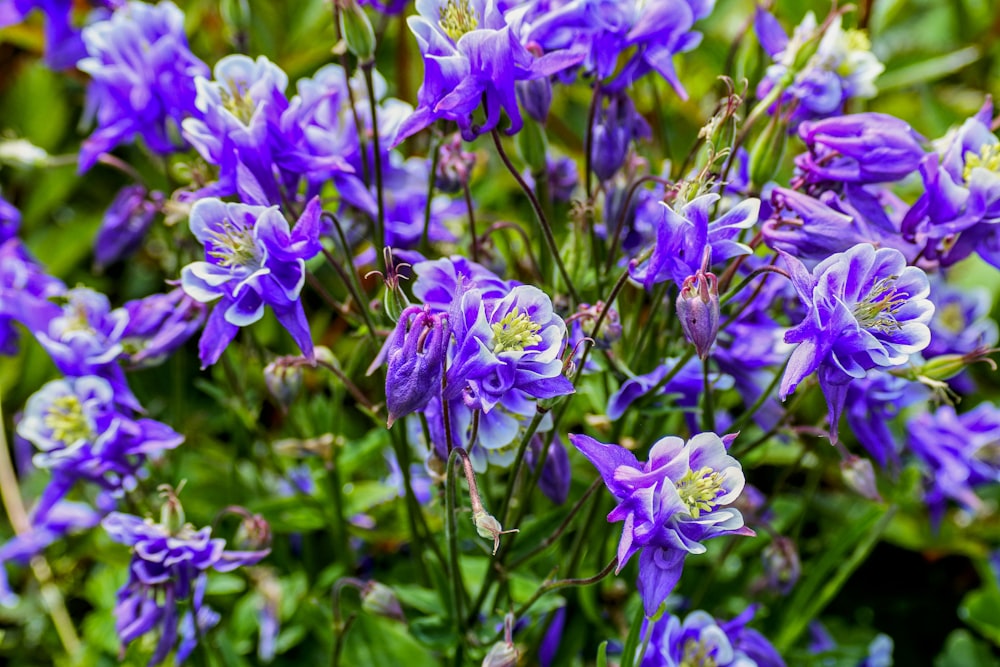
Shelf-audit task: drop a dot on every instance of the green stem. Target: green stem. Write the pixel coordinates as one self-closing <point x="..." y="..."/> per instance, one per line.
<point x="554" y="537"/>
<point x="529" y="432"/>
<point x="543" y="221"/>
<point x="376" y="150"/>
<point x="451" y="536"/>
<point x="708" y="406"/>
<point x="550" y="586"/>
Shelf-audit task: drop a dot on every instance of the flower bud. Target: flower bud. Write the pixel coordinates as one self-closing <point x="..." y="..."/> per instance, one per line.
<point x="698" y="308"/>
<point x="488" y="527"/>
<point x="415" y="353"/>
<point x="535" y="96"/>
<point x="454" y="165"/>
<point x="614" y="129"/>
<point x="22" y="154"/>
<point x="768" y="151"/>
<point x="502" y="654"/>
<point x="171" y="512"/>
<point x="253" y="533"/>
<point x="357" y="30"/>
<point x="283" y="382"/>
<point x="781" y="564"/>
<point x="378" y="599"/>
<point x="859" y="475"/>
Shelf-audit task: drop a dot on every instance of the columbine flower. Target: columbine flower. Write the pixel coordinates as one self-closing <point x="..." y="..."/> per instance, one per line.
<point x="63" y="47"/>
<point x="170" y="562"/>
<point x="865" y="309"/>
<point x="252" y="259"/>
<point x="841" y="68"/>
<point x="669" y="504"/>
<point x="651" y="32"/>
<point x="238" y="127"/>
<point x="859" y="148"/>
<point x="142" y="79"/>
<point x="684" y="235"/>
<point x="82" y="435"/>
<point x="617" y="124"/>
<point x="158" y="325"/>
<point x="473" y="55"/>
<point x="960" y="207"/>
<point x="958" y="453"/>
<point x="702" y="641"/>
<point x="415" y="352"/>
<point x="962" y="322"/>
<point x="24" y="290"/>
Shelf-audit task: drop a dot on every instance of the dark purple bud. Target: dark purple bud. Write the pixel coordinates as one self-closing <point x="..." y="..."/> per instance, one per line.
<point x="614" y="129"/>
<point x="535" y="96"/>
<point x="125" y="224"/>
<point x="415" y="353"/>
<point x="563" y="178"/>
<point x="859" y="148"/>
<point x="781" y="564"/>
<point x="556" y="473"/>
<point x="698" y="308"/>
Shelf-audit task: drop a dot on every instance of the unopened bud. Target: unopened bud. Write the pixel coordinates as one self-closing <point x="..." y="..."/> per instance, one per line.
<point x="502" y="654"/>
<point x="415" y="352"/>
<point x="488" y="527"/>
<point x="171" y="512"/>
<point x="254" y="532"/>
<point x="698" y="309"/>
<point x="22" y="154"/>
<point x="357" y="30"/>
<point x="378" y="599"/>
<point x="283" y="381"/>
<point x="859" y="475"/>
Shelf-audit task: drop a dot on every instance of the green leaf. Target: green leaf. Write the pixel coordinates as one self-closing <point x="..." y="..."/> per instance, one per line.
<point x="435" y="632"/>
<point x="981" y="610"/>
<point x="963" y="650"/>
<point x="929" y="70"/>
<point x="602" y="654"/>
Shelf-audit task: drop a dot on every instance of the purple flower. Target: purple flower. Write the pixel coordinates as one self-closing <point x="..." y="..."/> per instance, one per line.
<point x="841" y="68"/>
<point x="859" y="148"/>
<point x="871" y="405"/>
<point x="702" y="640"/>
<point x="603" y="30"/>
<point x="125" y="224"/>
<point x="698" y="309"/>
<point x="252" y="259"/>
<point x="556" y="474"/>
<point x="684" y="388"/>
<point x="809" y="228"/>
<point x="961" y="322"/>
<point x="24" y="289"/>
<point x="169" y="566"/>
<point x="684" y="235"/>
<point x="440" y="280"/>
<point x="10" y="220"/>
<point x="143" y="76"/>
<point x="82" y="435"/>
<point x="865" y="309"/>
<point x="473" y="55"/>
<point x="617" y="124"/>
<point x="158" y="325"/>
<point x="961" y="195"/>
<point x="958" y="453"/>
<point x="415" y="352"/>
<point x="63" y="46"/>
<point x="64" y="517"/>
<point x="669" y="504"/>
<point x="238" y="127"/>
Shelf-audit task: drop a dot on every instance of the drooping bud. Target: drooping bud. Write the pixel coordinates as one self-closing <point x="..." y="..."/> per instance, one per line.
<point x="781" y="564"/>
<point x="415" y="352"/>
<point x="504" y="653"/>
<point x="378" y="599"/>
<point x="488" y="527"/>
<point x="253" y="533"/>
<point x="698" y="310"/>
<point x="22" y="154"/>
<point x="859" y="475"/>
<point x="283" y="381"/>
<point x="356" y="30"/>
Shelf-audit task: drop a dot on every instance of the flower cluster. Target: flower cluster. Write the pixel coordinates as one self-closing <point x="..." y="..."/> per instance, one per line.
<point x="701" y="639"/>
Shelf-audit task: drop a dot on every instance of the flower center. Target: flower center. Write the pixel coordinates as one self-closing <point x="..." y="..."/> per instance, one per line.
<point x="698" y="490"/>
<point x="952" y="318"/>
<point x="458" y="18"/>
<point x="878" y="309"/>
<point x="696" y="655"/>
<point x="238" y="101"/>
<point x="235" y="247"/>
<point x="515" y="332"/>
<point x="988" y="158"/>
<point x="67" y="422"/>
